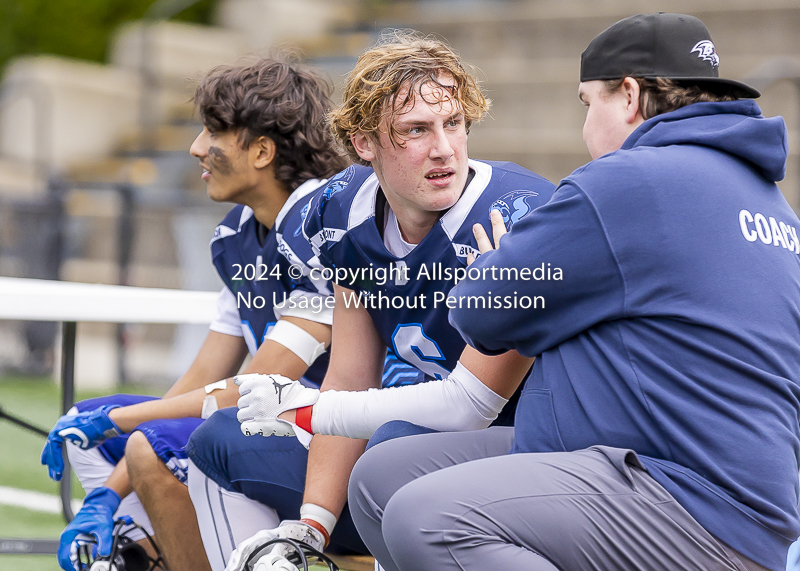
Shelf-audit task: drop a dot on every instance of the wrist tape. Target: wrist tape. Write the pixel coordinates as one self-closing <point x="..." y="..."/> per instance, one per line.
<point x="303" y="418"/>
<point x="314" y="514"/>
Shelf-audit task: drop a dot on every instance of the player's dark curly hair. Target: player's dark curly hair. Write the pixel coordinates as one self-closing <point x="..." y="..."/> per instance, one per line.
<point x="660" y="95"/>
<point x="280" y="99"/>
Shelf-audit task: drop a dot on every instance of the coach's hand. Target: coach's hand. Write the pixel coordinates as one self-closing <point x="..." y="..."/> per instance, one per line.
<point x="484" y="244"/>
<point x="95" y="518"/>
<point x="275" y="558"/>
<point x="86" y="429"/>
<point x="264" y="398"/>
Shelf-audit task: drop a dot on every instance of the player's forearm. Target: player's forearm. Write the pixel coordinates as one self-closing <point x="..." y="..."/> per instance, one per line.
<point x="185" y="405"/>
<point x="219" y="358"/>
<point x="119" y="481"/>
<point x="330" y="462"/>
<point x="459" y="402"/>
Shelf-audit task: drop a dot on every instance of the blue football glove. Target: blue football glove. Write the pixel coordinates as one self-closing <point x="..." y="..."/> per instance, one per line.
<point x="86" y="429"/>
<point x="95" y="518"/>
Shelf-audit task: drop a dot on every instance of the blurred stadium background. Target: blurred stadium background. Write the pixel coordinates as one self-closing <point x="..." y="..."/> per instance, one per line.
<point x="96" y="183"/>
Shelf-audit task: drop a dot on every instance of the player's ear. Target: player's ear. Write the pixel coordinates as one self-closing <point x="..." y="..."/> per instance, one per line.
<point x="364" y="146"/>
<point x="262" y="152"/>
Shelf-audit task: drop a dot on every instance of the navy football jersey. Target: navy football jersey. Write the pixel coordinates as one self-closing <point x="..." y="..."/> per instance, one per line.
<point x="240" y="247"/>
<point x="257" y="267"/>
<point x="340" y="225"/>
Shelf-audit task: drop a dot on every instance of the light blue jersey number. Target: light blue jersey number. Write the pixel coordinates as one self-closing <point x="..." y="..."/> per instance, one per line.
<point x="412" y="345"/>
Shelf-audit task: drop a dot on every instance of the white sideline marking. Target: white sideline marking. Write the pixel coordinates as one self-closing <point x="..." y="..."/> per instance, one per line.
<point x="36" y="501"/>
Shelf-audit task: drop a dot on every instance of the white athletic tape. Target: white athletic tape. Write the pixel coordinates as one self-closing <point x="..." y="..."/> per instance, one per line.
<point x="320" y="515"/>
<point x="210" y="405"/>
<point x="219" y="385"/>
<point x="297" y="340"/>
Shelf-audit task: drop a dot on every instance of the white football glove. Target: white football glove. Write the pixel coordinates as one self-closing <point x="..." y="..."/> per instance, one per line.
<point x="275" y="558"/>
<point x="243" y="551"/>
<point x="264" y="397"/>
<point x="274" y="561"/>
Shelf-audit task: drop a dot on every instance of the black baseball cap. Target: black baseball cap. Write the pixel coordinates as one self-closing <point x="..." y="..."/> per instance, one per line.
<point x="672" y="46"/>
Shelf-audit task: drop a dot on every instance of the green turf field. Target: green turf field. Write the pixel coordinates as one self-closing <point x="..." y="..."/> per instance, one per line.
<point x="37" y="401"/>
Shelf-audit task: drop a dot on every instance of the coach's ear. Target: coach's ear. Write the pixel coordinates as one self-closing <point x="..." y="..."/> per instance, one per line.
<point x="262" y="152"/>
<point x="633" y="111"/>
<point x="364" y="146"/>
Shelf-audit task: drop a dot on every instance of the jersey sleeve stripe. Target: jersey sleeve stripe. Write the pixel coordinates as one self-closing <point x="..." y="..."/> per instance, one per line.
<point x="363" y="206"/>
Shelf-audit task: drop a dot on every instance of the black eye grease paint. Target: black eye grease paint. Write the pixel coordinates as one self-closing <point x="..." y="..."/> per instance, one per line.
<point x="218" y="160"/>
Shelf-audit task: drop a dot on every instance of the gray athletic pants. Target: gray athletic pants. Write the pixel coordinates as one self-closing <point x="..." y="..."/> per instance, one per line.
<point x="459" y="501"/>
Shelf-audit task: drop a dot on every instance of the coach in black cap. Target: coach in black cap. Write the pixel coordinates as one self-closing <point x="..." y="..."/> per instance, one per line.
<point x="659" y="427"/>
<point x="670" y="46"/>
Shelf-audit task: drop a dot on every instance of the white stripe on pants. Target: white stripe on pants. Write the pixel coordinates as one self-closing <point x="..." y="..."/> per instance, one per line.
<point x="225" y="518"/>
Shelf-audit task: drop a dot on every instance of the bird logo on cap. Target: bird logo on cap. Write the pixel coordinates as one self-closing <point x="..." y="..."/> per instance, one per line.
<point x="706" y="51"/>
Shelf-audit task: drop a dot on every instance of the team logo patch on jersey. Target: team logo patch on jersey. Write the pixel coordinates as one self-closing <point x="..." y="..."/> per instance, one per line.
<point x="337" y="183"/>
<point x="303" y="214"/>
<point x="513" y="206"/>
<point x="706" y="52"/>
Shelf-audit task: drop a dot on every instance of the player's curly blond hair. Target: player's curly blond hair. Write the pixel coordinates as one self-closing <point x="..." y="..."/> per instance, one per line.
<point x="402" y="60"/>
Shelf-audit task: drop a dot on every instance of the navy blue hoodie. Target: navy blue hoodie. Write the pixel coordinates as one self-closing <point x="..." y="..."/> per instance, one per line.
<point x="675" y="328"/>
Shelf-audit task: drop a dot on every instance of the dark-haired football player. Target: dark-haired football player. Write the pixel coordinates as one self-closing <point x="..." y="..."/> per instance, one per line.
<point x="264" y="147"/>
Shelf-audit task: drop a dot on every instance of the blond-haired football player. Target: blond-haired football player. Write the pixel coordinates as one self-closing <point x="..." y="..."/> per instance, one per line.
<point x="397" y="230"/>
